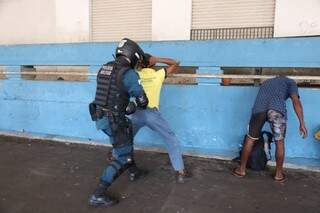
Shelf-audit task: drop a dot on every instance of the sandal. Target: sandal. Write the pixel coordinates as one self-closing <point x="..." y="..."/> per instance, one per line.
<point x="280" y="180"/>
<point x="237" y="174"/>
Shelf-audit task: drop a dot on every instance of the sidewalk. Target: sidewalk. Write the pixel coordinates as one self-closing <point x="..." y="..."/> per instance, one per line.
<point x="52" y="177"/>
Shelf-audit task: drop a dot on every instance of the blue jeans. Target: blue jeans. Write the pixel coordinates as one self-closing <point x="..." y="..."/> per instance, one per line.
<point x="153" y="119"/>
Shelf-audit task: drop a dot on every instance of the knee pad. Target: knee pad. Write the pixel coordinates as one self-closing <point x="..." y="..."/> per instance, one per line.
<point x="118" y="167"/>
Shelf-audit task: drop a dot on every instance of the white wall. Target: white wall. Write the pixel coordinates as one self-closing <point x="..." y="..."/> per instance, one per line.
<point x="43" y="21"/>
<point x="50" y="21"/>
<point x="171" y="20"/>
<point x="72" y="20"/>
<point x="297" y="18"/>
<point x="26" y="21"/>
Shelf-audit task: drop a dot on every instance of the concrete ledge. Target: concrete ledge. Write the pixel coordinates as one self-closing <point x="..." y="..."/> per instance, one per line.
<point x="311" y="164"/>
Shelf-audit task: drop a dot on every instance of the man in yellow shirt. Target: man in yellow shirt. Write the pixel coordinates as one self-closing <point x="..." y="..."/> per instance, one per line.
<point x="152" y="81"/>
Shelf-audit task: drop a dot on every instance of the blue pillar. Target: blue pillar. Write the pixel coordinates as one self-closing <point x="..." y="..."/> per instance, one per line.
<point x="209" y="70"/>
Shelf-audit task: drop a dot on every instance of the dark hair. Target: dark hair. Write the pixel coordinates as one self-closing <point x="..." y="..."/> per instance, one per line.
<point x="146" y="59"/>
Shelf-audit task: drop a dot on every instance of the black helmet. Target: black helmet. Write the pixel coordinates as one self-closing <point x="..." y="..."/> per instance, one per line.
<point x="131" y="50"/>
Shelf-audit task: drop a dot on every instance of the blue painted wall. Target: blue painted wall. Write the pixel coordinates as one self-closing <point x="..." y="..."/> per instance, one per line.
<point x="208" y="118"/>
<point x="293" y="52"/>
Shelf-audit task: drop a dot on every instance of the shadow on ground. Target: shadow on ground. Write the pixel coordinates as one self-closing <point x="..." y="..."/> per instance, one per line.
<point x="51" y="177"/>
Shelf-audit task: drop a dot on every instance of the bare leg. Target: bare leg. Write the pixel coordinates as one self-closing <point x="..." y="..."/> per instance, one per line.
<point x="279" y="159"/>
<point x="246" y="150"/>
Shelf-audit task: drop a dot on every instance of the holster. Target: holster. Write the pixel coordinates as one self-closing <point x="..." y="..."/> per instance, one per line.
<point x="95" y="113"/>
<point x="121" y="130"/>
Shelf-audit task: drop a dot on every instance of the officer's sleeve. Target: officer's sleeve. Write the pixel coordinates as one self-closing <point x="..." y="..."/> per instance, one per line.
<point x="131" y="82"/>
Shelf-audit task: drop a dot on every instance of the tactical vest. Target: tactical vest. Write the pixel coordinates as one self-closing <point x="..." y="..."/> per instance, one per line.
<point x="110" y="93"/>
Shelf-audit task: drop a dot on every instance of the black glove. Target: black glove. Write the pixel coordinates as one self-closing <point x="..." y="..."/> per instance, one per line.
<point x="142" y="101"/>
<point x="131" y="108"/>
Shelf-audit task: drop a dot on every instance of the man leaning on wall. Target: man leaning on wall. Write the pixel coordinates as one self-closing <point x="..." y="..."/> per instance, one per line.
<point x="270" y="105"/>
<point x="152" y="80"/>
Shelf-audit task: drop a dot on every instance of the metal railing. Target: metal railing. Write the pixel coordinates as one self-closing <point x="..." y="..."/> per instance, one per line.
<point x="239" y="76"/>
<point x="232" y="33"/>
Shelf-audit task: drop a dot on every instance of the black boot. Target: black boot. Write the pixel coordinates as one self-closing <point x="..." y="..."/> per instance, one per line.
<point x="100" y="199"/>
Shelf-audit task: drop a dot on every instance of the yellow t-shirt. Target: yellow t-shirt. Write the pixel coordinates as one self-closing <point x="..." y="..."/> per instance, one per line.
<point x="151" y="81"/>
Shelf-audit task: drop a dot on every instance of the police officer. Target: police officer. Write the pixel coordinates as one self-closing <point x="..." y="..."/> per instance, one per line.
<point x="117" y="84"/>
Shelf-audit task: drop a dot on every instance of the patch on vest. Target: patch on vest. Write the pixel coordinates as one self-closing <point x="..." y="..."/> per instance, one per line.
<point x="106" y="70"/>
